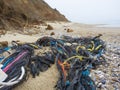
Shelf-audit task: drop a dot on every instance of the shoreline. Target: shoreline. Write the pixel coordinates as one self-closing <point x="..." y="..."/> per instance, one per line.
<point x="104" y="25"/>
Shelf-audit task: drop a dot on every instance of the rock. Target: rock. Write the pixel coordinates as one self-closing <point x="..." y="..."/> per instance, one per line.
<point x="114" y="75"/>
<point x="99" y="85"/>
<point x="100" y="72"/>
<point x="103" y="81"/>
<point x="2" y="32"/>
<point x="52" y="33"/>
<point x="49" y="27"/>
<point x="65" y="29"/>
<point x="116" y="87"/>
<point x="4" y="43"/>
<point x="115" y="70"/>
<point x="69" y="30"/>
<point x="115" y="79"/>
<point x="68" y="44"/>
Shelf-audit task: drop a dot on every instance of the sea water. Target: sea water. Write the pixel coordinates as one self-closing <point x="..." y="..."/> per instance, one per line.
<point x="109" y="23"/>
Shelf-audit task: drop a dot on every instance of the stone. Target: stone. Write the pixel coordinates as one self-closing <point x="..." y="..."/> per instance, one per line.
<point x="52" y="33"/>
<point x="103" y="81"/>
<point x="49" y="27"/>
<point x="99" y="85"/>
<point x="2" y="32"/>
<point x="69" y="30"/>
<point x="4" y="43"/>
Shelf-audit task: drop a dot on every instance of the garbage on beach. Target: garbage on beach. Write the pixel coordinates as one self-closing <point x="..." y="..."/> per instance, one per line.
<point x="74" y="61"/>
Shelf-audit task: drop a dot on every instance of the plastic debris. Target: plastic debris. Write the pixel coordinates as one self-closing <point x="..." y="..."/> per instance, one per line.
<point x="74" y="57"/>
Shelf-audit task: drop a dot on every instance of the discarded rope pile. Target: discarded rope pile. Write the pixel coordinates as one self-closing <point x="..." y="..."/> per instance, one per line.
<point x="74" y="57"/>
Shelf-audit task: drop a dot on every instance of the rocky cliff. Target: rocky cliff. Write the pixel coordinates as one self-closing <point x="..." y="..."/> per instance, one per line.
<point x="17" y="12"/>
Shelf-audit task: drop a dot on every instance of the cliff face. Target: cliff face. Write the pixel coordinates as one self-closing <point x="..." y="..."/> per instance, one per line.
<point x="18" y="11"/>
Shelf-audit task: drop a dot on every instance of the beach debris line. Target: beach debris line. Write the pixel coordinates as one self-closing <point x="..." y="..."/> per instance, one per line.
<point x="74" y="61"/>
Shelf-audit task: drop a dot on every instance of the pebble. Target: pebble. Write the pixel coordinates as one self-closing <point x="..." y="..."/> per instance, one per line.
<point x="99" y="85"/>
<point x="103" y="81"/>
<point x="107" y="77"/>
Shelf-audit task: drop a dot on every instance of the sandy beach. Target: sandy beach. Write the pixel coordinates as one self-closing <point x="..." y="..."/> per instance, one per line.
<point x="47" y="80"/>
<point x="79" y="30"/>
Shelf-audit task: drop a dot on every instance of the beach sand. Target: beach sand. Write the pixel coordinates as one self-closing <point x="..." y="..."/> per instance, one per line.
<point x="47" y="80"/>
